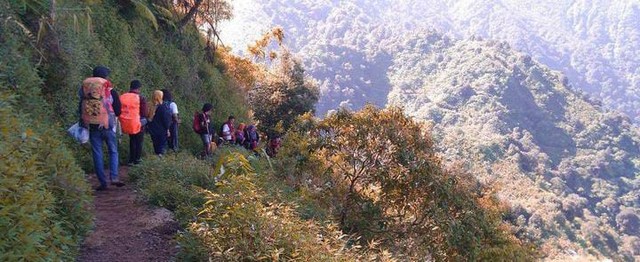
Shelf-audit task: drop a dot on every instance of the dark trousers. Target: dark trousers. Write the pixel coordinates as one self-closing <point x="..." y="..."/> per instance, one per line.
<point x="159" y="143"/>
<point x="173" y="139"/>
<point x="135" y="147"/>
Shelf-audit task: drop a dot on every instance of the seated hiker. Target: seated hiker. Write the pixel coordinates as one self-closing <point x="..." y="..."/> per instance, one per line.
<point x="251" y="138"/>
<point x="239" y="134"/>
<point x="201" y="125"/>
<point x="227" y="131"/>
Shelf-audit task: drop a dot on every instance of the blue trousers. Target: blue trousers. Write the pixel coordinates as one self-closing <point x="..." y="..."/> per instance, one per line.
<point x="173" y="139"/>
<point x="97" y="137"/>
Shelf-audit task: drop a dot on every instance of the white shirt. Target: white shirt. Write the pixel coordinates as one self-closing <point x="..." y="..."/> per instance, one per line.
<point x="226" y="132"/>
<point x="174" y="108"/>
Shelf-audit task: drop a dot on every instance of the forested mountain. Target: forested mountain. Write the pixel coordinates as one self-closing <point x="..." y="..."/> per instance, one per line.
<point x="595" y="43"/>
<point x="482" y="153"/>
<point x="514" y="91"/>
<point x="303" y="202"/>
<point x="569" y="170"/>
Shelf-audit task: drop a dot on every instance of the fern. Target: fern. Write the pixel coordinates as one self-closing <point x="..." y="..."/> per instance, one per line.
<point x="38" y="7"/>
<point x="144" y="12"/>
<point x="166" y="13"/>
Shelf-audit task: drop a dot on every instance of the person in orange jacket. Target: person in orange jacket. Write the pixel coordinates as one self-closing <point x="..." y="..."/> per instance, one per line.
<point x="133" y="119"/>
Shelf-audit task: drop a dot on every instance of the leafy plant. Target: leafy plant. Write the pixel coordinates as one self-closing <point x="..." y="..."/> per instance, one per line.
<point x="386" y="184"/>
<point x="44" y="196"/>
<point x="237" y="224"/>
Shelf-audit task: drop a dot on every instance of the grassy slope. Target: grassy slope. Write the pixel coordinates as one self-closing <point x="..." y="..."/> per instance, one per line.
<point x="44" y="194"/>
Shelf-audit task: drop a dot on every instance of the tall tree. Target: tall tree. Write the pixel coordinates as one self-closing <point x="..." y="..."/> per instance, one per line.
<point x="282" y="94"/>
<point x="207" y="15"/>
<point x="281" y="91"/>
<point x="386" y="184"/>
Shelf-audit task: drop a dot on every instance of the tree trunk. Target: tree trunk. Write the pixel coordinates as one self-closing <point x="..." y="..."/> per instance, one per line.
<point x="190" y="15"/>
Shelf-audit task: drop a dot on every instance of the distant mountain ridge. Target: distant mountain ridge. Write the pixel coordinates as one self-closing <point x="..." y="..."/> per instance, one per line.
<point x="569" y="167"/>
<point x="596" y="43"/>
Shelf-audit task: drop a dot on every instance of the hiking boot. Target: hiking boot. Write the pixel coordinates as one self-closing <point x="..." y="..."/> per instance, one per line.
<point x="101" y="188"/>
<point x="117" y="183"/>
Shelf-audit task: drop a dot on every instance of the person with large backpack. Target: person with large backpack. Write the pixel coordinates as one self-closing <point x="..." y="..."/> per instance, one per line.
<point x="99" y="106"/>
<point x="132" y="120"/>
<point x="173" y="130"/>
<point x="227" y="130"/>
<point x="251" y="138"/>
<point x="201" y="125"/>
<point x="160" y="115"/>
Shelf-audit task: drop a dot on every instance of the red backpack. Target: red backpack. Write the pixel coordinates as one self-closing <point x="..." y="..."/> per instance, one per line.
<point x="197" y="123"/>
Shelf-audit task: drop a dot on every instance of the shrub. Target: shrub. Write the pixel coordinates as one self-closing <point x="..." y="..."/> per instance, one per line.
<point x="237" y="224"/>
<point x="172" y="181"/>
<point x="384" y="182"/>
<point x="44" y="198"/>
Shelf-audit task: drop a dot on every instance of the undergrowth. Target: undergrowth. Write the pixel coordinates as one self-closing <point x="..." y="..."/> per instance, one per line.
<point x="231" y="212"/>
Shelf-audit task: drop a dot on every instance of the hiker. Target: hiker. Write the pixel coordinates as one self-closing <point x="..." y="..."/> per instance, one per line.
<point x="274" y="146"/>
<point x="227" y="130"/>
<point x="132" y="119"/>
<point x="173" y="130"/>
<point x="158" y="128"/>
<point x="251" y="138"/>
<point x="239" y="134"/>
<point x="99" y="106"/>
<point x="201" y="125"/>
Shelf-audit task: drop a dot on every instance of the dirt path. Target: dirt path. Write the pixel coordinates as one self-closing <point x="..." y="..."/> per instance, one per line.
<point x="127" y="230"/>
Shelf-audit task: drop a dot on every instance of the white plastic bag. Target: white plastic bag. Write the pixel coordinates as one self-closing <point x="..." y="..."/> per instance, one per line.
<point x="79" y="133"/>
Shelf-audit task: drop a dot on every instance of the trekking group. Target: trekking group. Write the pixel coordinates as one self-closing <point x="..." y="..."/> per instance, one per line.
<point x="101" y="108"/>
<point x="227" y="135"/>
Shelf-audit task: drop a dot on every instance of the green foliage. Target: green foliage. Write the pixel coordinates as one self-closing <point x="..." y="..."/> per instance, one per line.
<point x="145" y="12"/>
<point x="45" y="198"/>
<point x="23" y="7"/>
<point x="237" y="224"/>
<point x="171" y="182"/>
<point x="239" y="217"/>
<point x="122" y="39"/>
<point x="384" y="182"/>
<point x="282" y="94"/>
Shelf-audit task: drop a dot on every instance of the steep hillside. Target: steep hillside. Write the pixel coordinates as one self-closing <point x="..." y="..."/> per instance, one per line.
<point x="570" y="170"/>
<point x="496" y="110"/>
<point x="595" y="43"/>
<point x="47" y="50"/>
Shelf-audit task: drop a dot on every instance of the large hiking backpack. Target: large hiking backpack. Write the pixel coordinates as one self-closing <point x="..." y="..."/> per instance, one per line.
<point x="198" y="118"/>
<point x="130" y="116"/>
<point x="94" y="103"/>
<point x="197" y="125"/>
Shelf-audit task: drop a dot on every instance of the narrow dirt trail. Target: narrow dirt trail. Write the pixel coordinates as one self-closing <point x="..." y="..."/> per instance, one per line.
<point x="126" y="229"/>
